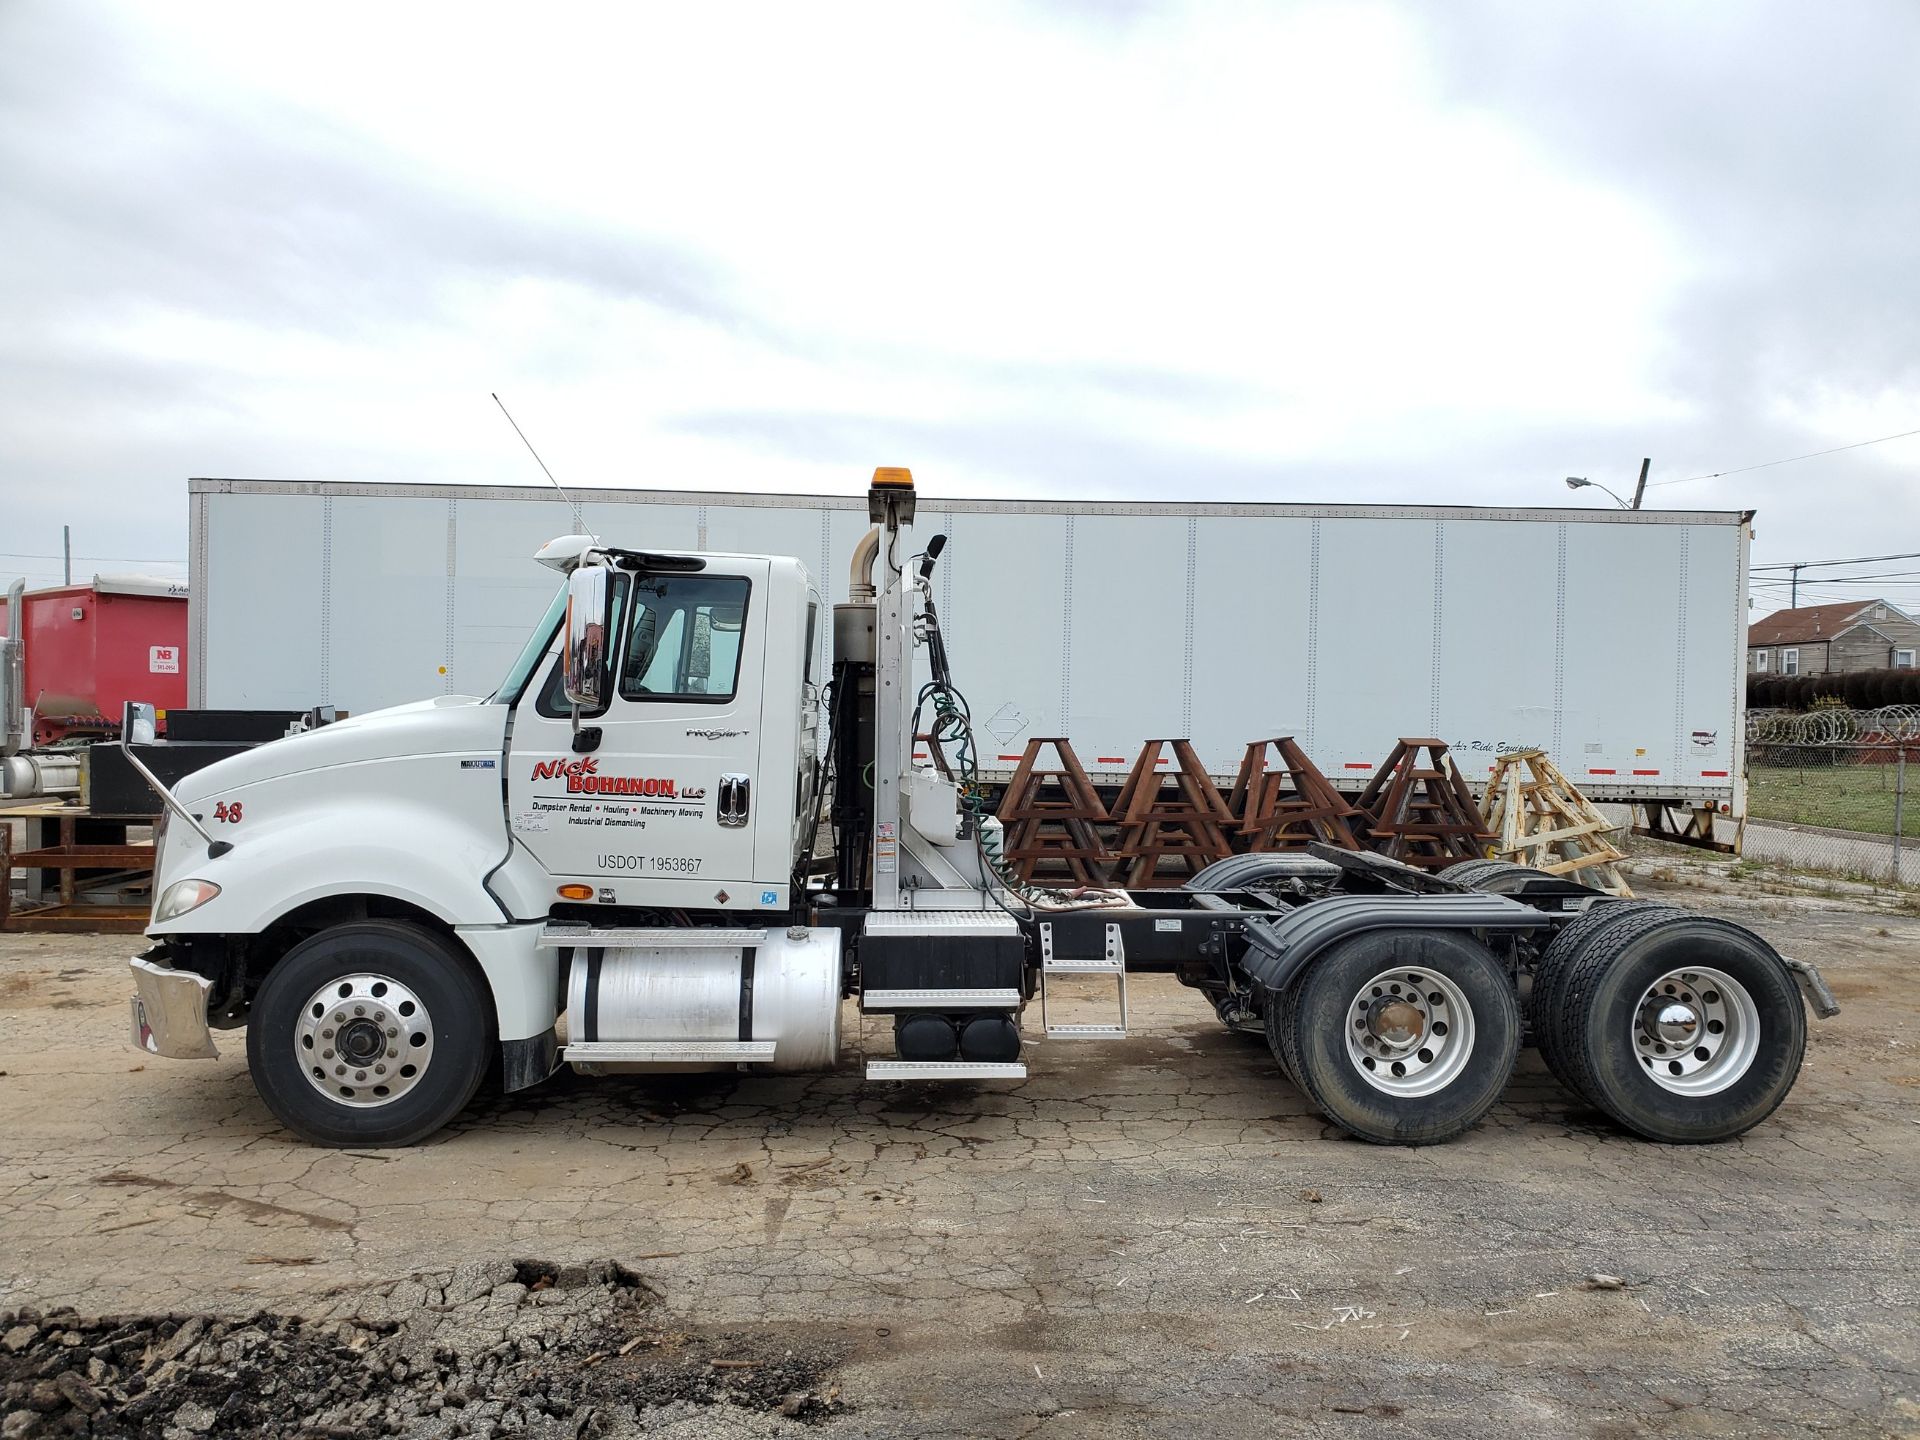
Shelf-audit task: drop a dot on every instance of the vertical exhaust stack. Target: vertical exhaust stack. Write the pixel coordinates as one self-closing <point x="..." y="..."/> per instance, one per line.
<point x="851" y="723"/>
<point x="13" y="673"/>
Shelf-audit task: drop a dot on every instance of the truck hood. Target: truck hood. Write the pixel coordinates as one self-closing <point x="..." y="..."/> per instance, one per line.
<point x="448" y="725"/>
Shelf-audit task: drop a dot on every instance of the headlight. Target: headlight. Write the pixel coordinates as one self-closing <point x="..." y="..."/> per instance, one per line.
<point x="181" y="897"/>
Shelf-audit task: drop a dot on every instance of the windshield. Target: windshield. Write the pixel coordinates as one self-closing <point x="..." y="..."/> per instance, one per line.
<point x="531" y="653"/>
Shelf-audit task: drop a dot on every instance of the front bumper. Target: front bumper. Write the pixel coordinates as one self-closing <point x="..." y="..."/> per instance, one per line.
<point x="170" y="1013"/>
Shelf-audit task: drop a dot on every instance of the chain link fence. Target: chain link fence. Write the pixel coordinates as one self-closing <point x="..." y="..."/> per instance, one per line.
<point x="1830" y="790"/>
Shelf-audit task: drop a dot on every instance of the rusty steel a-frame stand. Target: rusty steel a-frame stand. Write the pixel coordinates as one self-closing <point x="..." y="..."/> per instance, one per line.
<point x="1050" y="817"/>
<point x="1184" y="826"/>
<point x="1287" y="803"/>
<point x="1419" y="810"/>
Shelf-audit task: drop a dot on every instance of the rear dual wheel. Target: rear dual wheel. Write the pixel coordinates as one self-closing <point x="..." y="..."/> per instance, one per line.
<point x="1683" y="1028"/>
<point x="1400" y="1037"/>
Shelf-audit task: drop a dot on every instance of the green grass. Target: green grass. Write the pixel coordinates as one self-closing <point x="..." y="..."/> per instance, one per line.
<point x="1843" y="797"/>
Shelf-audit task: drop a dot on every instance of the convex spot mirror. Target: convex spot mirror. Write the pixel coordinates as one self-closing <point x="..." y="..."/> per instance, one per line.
<point x="589" y="597"/>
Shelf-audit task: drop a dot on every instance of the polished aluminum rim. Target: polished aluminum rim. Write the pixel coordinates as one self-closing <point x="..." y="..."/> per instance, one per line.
<point x="1409" y="1032"/>
<point x="364" y="1040"/>
<point x="1696" y="1031"/>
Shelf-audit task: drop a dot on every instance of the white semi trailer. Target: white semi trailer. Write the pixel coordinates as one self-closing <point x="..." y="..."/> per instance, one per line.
<point x="1614" y="639"/>
<point x="603" y="860"/>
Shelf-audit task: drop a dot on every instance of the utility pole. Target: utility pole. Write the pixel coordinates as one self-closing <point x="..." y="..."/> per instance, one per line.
<point x="1794" y="602"/>
<point x="66" y="553"/>
<point x="1641" y="488"/>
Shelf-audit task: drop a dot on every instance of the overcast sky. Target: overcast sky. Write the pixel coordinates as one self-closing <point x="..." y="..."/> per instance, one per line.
<point x="1286" y="252"/>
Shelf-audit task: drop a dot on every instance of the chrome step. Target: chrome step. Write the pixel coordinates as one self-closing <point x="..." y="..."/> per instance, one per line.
<point x="554" y="938"/>
<point x="940" y="1000"/>
<point x="1112" y="964"/>
<point x="637" y="1052"/>
<point x="944" y="1070"/>
<point x="1084" y="967"/>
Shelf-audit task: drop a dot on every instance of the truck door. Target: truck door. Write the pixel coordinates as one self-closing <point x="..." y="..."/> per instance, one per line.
<point x="662" y="811"/>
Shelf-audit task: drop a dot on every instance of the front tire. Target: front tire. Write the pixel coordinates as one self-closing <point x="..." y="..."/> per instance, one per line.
<point x="1401" y="1037"/>
<point x="372" y="1034"/>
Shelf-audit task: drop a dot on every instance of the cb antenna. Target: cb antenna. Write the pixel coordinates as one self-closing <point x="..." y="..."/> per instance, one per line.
<point x="572" y="504"/>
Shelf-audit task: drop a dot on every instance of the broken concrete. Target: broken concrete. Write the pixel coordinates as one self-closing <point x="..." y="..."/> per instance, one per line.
<point x="1139" y="1236"/>
<point x="489" y="1350"/>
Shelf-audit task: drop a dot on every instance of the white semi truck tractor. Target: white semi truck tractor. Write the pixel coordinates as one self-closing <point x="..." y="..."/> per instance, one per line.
<point x="608" y="863"/>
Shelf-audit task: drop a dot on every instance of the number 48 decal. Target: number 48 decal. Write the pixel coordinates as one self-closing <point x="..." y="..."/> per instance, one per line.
<point x="228" y="814"/>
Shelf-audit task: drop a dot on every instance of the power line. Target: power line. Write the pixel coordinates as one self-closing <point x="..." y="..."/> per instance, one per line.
<point x="125" y="559"/>
<point x="1788" y="460"/>
<point x="1850" y="560"/>
<point x="1830" y="587"/>
<point x="1836" y="579"/>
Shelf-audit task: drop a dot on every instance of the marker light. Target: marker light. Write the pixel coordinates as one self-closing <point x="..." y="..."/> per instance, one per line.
<point x="576" y="892"/>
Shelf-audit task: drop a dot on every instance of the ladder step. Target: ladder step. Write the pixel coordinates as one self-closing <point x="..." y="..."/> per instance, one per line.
<point x="1084" y="967"/>
<point x="1086" y="1032"/>
<point x="944" y="1070"/>
<point x="640" y="1051"/>
<point x="940" y="1000"/>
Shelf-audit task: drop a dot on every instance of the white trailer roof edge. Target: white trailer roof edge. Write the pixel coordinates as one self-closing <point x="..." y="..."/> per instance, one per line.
<point x="770" y="500"/>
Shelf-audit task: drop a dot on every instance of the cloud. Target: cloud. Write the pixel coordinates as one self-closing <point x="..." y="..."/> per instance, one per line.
<point x="1380" y="252"/>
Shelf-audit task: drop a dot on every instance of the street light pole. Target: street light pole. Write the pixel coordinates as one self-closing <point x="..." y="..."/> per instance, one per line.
<point x="1578" y="482"/>
<point x="1641" y="489"/>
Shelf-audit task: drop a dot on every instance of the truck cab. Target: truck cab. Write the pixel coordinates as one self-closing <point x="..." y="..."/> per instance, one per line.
<point x="683" y="776"/>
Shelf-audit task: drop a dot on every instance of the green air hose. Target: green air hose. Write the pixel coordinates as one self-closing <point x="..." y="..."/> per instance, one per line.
<point x="952" y="727"/>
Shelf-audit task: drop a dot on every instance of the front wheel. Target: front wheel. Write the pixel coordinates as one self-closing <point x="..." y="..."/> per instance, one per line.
<point x="371" y="1034"/>
<point x="1401" y="1037"/>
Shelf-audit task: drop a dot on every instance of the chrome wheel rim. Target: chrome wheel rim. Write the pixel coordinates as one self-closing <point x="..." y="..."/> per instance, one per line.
<point x="1696" y="1031"/>
<point x="1409" y="1032"/>
<point x="363" y="1040"/>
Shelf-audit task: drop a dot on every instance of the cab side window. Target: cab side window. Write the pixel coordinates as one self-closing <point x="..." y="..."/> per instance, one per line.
<point x="684" y="642"/>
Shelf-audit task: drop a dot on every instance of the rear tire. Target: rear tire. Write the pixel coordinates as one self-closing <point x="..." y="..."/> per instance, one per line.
<point x="371" y="1034"/>
<point x="1401" y="1037"/>
<point x="1683" y="1028"/>
<point x="1545" y="1002"/>
<point x="1280" y="1021"/>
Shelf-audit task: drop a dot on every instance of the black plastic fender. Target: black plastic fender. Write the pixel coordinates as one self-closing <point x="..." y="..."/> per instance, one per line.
<point x="1279" y="950"/>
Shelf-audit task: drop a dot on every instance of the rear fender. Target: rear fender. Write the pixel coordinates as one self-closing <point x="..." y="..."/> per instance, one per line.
<point x="1280" y="950"/>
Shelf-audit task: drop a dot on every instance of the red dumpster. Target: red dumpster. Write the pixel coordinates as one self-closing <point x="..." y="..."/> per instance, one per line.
<point x="91" y="648"/>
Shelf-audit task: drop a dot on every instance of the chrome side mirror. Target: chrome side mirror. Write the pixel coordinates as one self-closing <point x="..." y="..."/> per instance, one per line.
<point x="589" y="597"/>
<point x="139" y="725"/>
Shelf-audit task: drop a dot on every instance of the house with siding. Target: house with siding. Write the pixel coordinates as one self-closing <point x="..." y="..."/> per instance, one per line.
<point x="1833" y="639"/>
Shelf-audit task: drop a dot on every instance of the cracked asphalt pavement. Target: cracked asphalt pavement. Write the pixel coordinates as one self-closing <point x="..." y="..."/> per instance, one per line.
<point x="1150" y="1237"/>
